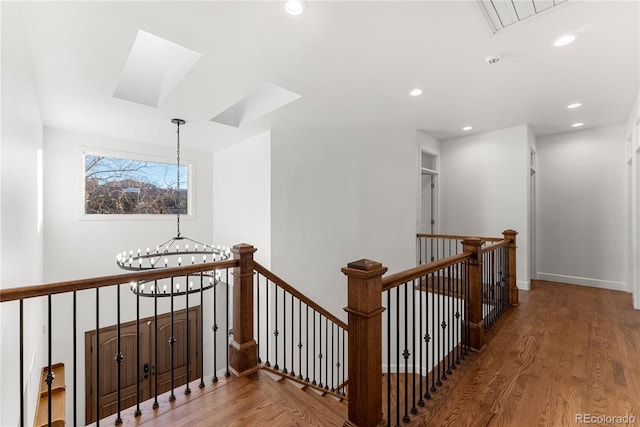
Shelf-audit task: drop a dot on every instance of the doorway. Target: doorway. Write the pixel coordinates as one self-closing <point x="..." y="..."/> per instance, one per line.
<point x="533" y="272"/>
<point x="150" y="373"/>
<point x="428" y="193"/>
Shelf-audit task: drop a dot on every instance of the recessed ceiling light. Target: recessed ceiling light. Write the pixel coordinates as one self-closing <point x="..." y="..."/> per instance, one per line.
<point x="294" y="7"/>
<point x="577" y="125"/>
<point x="416" y="92"/>
<point x="564" y="40"/>
<point x="467" y="128"/>
<point x="574" y="105"/>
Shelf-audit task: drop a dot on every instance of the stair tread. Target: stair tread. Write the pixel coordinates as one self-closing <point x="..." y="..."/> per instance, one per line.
<point x="57" y="409"/>
<point x="58" y="383"/>
<point x="316" y="407"/>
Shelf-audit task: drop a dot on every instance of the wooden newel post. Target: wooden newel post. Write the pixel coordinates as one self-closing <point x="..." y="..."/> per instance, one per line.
<point x="364" y="299"/>
<point x="475" y="297"/>
<point x="513" y="287"/>
<point x="243" y="350"/>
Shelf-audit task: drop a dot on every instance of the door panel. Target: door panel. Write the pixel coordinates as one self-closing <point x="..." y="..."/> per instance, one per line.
<point x="108" y="367"/>
<point x="163" y="369"/>
<point x="108" y="388"/>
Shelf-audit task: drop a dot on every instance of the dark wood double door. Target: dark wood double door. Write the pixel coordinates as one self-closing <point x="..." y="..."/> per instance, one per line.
<point x="150" y="371"/>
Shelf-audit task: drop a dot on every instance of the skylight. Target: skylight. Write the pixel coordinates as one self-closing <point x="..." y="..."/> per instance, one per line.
<point x="154" y="68"/>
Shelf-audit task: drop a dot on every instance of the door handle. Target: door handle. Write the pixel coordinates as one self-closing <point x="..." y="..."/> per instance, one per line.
<point x="145" y="369"/>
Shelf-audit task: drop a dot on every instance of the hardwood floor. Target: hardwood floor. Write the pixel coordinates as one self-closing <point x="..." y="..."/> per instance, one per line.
<point x="566" y="350"/>
<point x="254" y="400"/>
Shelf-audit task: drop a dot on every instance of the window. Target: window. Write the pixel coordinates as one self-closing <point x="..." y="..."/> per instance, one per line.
<point x="115" y="185"/>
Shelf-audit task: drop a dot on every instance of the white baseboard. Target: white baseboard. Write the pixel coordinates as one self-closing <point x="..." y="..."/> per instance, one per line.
<point x="584" y="281"/>
<point x="523" y="285"/>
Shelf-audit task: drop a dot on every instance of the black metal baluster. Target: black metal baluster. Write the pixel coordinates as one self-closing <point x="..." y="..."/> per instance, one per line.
<point x="443" y="324"/>
<point x="284" y="332"/>
<point x="450" y="317"/>
<point x="457" y="315"/>
<point x="432" y="337"/>
<point x="338" y="383"/>
<point x="423" y="293"/>
<point x="172" y="342"/>
<point x="138" y="412"/>
<point x="326" y="353"/>
<point x="227" y="372"/>
<point x="468" y="314"/>
<point x="118" y="356"/>
<point x="21" y="391"/>
<point x="215" y="333"/>
<point x="293" y="333"/>
<point x="438" y="356"/>
<point x="155" y="345"/>
<point x="332" y="354"/>
<point x="97" y="360"/>
<point x="49" y="379"/>
<point x="267" y="311"/>
<point x="275" y="332"/>
<point x="201" y="385"/>
<point x="397" y="355"/>
<point x="300" y="339"/>
<point x="405" y="355"/>
<point x="314" y="348"/>
<point x="75" y="360"/>
<point x="306" y="322"/>
<point x="320" y="347"/>
<point x="389" y="357"/>
<point x="187" y="285"/>
<point x="414" y="410"/>
<point x="258" y="314"/>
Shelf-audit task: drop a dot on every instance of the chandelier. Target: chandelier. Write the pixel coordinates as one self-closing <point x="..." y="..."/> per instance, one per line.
<point x="175" y="252"/>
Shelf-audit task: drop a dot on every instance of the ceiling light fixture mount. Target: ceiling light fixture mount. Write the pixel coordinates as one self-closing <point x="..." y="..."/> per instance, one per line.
<point x="170" y="254"/>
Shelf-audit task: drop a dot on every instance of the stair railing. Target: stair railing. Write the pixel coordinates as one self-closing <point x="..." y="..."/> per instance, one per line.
<point x="298" y="338"/>
<point x="412" y="329"/>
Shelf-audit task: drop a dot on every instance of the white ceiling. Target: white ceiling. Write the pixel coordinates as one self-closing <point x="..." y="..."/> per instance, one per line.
<point x="353" y="63"/>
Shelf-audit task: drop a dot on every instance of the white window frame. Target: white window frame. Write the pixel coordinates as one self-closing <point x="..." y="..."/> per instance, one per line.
<point x="188" y="163"/>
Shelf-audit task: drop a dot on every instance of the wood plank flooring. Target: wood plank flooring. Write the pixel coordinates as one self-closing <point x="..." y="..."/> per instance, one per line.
<point x="566" y="350"/>
<point x="253" y="400"/>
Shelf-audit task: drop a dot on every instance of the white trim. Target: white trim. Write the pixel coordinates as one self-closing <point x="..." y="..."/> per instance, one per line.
<point x="524" y="285"/>
<point x="584" y="281"/>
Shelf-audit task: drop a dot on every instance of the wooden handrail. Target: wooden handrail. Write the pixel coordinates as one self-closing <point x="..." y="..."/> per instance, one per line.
<point x="495" y="246"/>
<point x="398" y="279"/>
<point x="14" y="294"/>
<point x="302" y="297"/>
<point x="449" y="236"/>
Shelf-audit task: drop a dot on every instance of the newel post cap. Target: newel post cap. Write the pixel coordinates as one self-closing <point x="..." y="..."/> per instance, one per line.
<point x="364" y="268"/>
<point x="243" y="248"/>
<point x="509" y="232"/>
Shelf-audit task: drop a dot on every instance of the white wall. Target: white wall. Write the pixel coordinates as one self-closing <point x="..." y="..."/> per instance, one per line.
<point x="485" y="181"/>
<point x="582" y="208"/>
<point x="242" y="195"/>
<point x="339" y="196"/>
<point x="22" y="238"/>
<point x="78" y="247"/>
